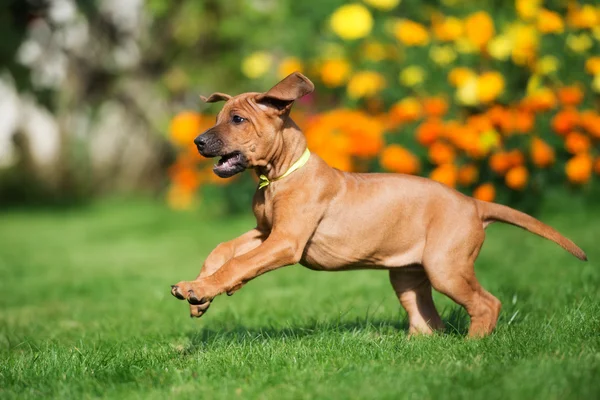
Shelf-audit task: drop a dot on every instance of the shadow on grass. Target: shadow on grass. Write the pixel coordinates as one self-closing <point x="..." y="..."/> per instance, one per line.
<point x="455" y="319"/>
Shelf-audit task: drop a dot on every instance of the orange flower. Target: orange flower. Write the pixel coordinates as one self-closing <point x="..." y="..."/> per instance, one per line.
<point x="468" y="174"/>
<point x="542" y="154"/>
<point x="441" y="153"/>
<point x="185" y="126"/>
<point x="467" y="139"/>
<point x="479" y="28"/>
<point x="497" y="114"/>
<point x="550" y="22"/>
<point x="446" y="174"/>
<point x="516" y="157"/>
<point x="517" y="177"/>
<point x="397" y="159"/>
<point x="524" y="121"/>
<point x="184" y="176"/>
<point x="570" y="95"/>
<point x="485" y="192"/>
<point x="335" y="72"/>
<point x="576" y="143"/>
<point x="411" y="33"/>
<point x="429" y="131"/>
<point x="480" y="122"/>
<point x="406" y="110"/>
<point x="541" y="100"/>
<point x="435" y="106"/>
<point x="592" y="65"/>
<point x="516" y="121"/>
<point x="565" y="120"/>
<point x="502" y="161"/>
<point x="583" y="17"/>
<point x="579" y="168"/>
<point x="590" y="121"/>
<point x="339" y="134"/>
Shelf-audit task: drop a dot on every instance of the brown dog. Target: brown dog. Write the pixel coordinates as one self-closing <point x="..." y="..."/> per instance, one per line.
<point x="426" y="234"/>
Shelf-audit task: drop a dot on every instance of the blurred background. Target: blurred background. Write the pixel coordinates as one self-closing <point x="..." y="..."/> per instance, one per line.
<point x="499" y="99"/>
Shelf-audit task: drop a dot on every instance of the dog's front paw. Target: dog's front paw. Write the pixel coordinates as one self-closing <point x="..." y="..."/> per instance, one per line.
<point x="198" y="293"/>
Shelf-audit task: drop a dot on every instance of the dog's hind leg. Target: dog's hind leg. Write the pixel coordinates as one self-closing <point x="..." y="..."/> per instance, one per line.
<point x="414" y="292"/>
<point x="449" y="264"/>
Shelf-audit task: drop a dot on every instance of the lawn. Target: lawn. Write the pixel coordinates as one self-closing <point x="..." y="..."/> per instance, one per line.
<point x="85" y="311"/>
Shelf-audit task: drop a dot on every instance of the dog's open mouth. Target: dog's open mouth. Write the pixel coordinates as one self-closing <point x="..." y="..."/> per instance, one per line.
<point x="230" y="164"/>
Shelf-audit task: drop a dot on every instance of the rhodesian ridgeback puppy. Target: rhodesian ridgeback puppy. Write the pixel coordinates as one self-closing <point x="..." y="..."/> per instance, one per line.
<point x="425" y="233"/>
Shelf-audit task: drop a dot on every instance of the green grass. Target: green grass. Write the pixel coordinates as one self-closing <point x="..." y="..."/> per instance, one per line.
<point x="85" y="311"/>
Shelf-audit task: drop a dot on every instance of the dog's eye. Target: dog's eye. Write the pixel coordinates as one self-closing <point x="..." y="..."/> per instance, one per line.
<point x="237" y="119"/>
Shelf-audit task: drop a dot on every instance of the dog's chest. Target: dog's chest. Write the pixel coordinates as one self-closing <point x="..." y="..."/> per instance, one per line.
<point x="263" y="210"/>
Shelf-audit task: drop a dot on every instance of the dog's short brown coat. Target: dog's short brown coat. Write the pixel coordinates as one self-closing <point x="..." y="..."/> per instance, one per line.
<point x="426" y="234"/>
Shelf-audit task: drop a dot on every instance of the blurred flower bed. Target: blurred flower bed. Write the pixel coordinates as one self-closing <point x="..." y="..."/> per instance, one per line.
<point x="500" y="103"/>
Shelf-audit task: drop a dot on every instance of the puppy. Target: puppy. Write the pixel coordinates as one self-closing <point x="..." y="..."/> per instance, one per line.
<point x="425" y="233"/>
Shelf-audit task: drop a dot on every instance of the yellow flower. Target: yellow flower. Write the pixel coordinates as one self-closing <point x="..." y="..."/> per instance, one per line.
<point x="442" y="55"/>
<point x="596" y="83"/>
<point x="256" y="64"/>
<point x="365" y="84"/>
<point x="550" y="22"/>
<point x="384" y="5"/>
<point x="525" y="39"/>
<point x="500" y="47"/>
<point x="335" y="72"/>
<point x="352" y="21"/>
<point x="411" y="33"/>
<point x="489" y="86"/>
<point x="547" y="65"/>
<point x="447" y="29"/>
<point x="489" y="140"/>
<point x="465" y="46"/>
<point x="467" y="92"/>
<point x="528" y="9"/>
<point x="596" y="32"/>
<point x="412" y="76"/>
<point x="579" y="43"/>
<point x="592" y="65"/>
<point x="459" y="76"/>
<point x="289" y="65"/>
<point x="534" y="84"/>
<point x="479" y="28"/>
<point x="374" y="51"/>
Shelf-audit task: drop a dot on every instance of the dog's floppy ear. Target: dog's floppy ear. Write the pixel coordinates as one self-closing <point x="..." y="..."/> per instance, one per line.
<point x="213" y="98"/>
<point x="282" y="95"/>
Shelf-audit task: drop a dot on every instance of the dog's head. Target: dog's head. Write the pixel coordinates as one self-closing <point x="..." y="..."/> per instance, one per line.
<point x="248" y="125"/>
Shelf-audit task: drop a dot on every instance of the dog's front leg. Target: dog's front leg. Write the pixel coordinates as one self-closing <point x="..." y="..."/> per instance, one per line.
<point x="275" y="252"/>
<point x="220" y="255"/>
<point x="230" y="249"/>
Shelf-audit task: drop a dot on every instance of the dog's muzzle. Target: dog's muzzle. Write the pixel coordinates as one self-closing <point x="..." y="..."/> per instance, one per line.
<point x="208" y="144"/>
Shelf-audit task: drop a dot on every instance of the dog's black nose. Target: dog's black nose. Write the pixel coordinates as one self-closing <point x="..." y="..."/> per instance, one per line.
<point x="200" y="142"/>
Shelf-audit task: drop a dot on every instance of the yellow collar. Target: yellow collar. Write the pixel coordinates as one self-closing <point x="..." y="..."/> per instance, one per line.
<point x="264" y="181"/>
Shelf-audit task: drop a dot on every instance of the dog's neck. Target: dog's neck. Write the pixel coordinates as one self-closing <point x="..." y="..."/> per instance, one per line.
<point x="286" y="150"/>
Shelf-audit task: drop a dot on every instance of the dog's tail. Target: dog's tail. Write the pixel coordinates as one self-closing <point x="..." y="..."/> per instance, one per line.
<point x="492" y="212"/>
